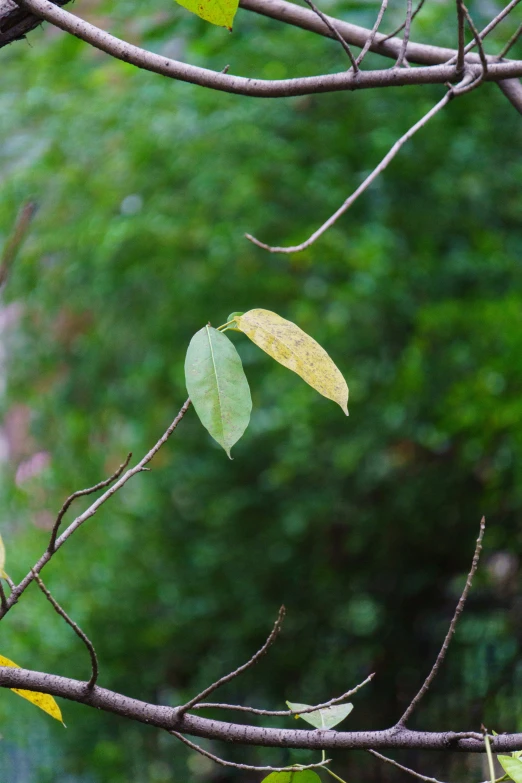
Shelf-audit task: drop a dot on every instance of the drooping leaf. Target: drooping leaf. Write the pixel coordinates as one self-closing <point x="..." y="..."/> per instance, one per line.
<point x="293" y="776"/>
<point x="41" y="700"/>
<point x="325" y="718"/>
<point x="217" y="386"/>
<point x="512" y="766"/>
<point x="288" y="344"/>
<point x="219" y="12"/>
<point x="2" y="559"/>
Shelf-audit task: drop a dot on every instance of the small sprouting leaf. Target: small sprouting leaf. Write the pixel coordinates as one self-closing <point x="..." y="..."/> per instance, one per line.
<point x="2" y="559"/>
<point x="325" y="718"/>
<point x="290" y="346"/>
<point x="233" y="316"/>
<point x="41" y="700"/>
<point x="512" y="767"/>
<point x="293" y="776"/>
<point x="219" y="12"/>
<point x="217" y="386"/>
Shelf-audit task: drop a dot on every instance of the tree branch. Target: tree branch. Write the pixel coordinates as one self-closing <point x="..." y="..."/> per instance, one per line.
<point x="247" y="767"/>
<point x="287" y="713"/>
<point x="168" y="718"/>
<point x="362" y="187"/>
<point x="458" y="611"/>
<point x="403" y="768"/>
<point x="336" y="34"/>
<point x="76" y="628"/>
<point x="90" y="512"/>
<point x="279" y="88"/>
<point x="16" y="238"/>
<point x="81" y="493"/>
<point x="253" y="660"/>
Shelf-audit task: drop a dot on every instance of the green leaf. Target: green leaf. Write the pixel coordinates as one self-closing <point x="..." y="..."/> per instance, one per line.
<point x="233" y="316"/>
<point x="325" y="718"/>
<point x="290" y="346"/>
<point x="293" y="776"/>
<point x="512" y="767"/>
<point x="217" y="386"/>
<point x="219" y="12"/>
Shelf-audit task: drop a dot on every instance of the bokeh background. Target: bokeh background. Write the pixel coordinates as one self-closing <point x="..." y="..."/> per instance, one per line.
<point x="363" y="527"/>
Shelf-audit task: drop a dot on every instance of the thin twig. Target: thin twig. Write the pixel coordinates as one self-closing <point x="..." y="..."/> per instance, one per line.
<point x="458" y="611"/>
<point x="512" y="41"/>
<point x="461" y="38"/>
<point x="406" y="37"/>
<point x="489" y="754"/>
<point x="403" y="768"/>
<point x="91" y="511"/>
<point x="401" y="26"/>
<point x="284" y="713"/>
<point x="17" y="236"/>
<point x="373" y="32"/>
<point x="363" y="186"/>
<point x="336" y="33"/>
<point x="487" y="29"/>
<point x="81" y="493"/>
<point x="76" y="628"/>
<point x="247" y="767"/>
<point x="254" y="659"/>
<point x="478" y="40"/>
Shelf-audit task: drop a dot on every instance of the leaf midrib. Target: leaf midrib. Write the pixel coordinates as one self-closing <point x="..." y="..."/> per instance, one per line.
<point x="217" y="383"/>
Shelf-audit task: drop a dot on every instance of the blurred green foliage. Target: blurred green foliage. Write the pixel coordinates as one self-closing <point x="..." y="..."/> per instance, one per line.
<point x="363" y="527"/>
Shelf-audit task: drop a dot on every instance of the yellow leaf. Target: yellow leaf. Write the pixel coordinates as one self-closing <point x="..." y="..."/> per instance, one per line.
<point x="41" y="700"/>
<point x="220" y="12"/>
<point x="288" y="344"/>
<point x="2" y="559"/>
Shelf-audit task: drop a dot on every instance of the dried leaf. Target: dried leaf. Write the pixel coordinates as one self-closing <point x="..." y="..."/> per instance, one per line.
<point x="41" y="700"/>
<point x="511" y="766"/>
<point x="290" y="346"/>
<point x="217" y="386"/>
<point x="219" y="12"/>
<point x="325" y="718"/>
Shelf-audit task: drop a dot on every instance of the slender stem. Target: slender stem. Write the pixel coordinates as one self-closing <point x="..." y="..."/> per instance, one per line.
<point x="406" y="37"/>
<point x="512" y="41"/>
<point x="490" y="756"/>
<point x="254" y="659"/>
<point x="461" y="39"/>
<point x="248" y="767"/>
<point x="82" y="493"/>
<point x="458" y="611"/>
<point x="77" y="630"/>
<point x="336" y="33"/>
<point x="402" y="26"/>
<point x="396" y="764"/>
<point x="327" y="769"/>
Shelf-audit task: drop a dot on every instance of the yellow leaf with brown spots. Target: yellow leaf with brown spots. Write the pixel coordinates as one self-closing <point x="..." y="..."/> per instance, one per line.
<point x="41" y="700"/>
<point x="290" y="346"/>
<point x="219" y="12"/>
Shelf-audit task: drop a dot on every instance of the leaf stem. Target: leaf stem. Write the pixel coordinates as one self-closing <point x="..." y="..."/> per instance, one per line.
<point x="490" y="756"/>
<point x="333" y="774"/>
<point x="223" y="327"/>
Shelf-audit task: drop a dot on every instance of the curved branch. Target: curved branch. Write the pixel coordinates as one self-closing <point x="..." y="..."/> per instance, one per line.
<point x="281" y="88"/>
<point x="17" y="591"/>
<point x="392" y="152"/>
<point x="168" y="718"/>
